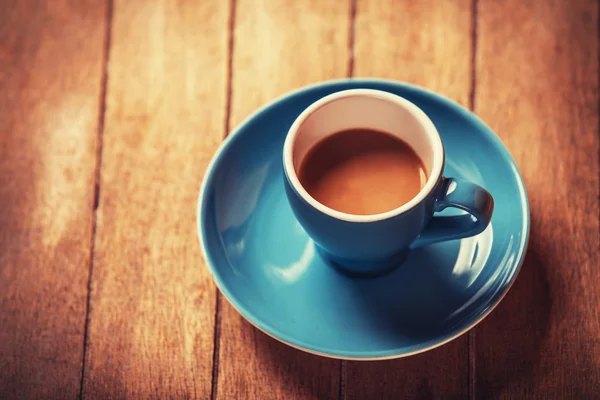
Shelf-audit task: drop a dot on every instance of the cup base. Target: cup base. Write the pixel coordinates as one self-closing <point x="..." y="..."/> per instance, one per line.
<point x="363" y="268"/>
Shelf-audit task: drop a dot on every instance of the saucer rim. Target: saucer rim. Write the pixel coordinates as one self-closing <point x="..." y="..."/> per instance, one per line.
<point x="357" y="355"/>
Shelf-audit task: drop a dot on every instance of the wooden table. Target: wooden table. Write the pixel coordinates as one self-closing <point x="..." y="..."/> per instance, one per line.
<point x="111" y="110"/>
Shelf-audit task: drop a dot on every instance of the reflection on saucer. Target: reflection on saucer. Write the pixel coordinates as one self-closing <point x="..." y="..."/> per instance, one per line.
<point x="292" y="272"/>
<point x="508" y="260"/>
<point x="472" y="255"/>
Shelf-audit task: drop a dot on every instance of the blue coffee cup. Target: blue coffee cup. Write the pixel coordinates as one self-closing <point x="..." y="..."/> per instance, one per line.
<point x="371" y="244"/>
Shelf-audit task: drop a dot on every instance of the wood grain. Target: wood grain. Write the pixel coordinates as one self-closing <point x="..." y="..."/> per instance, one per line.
<point x="279" y="46"/>
<point x="152" y="303"/>
<point x="51" y="62"/>
<point x="537" y="86"/>
<point x="427" y="43"/>
<point x="152" y="300"/>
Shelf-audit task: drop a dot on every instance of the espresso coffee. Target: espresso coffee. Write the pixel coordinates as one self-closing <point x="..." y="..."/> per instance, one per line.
<point x="362" y="172"/>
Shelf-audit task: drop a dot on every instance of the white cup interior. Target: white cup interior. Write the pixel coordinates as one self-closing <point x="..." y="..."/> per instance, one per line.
<point x="367" y="109"/>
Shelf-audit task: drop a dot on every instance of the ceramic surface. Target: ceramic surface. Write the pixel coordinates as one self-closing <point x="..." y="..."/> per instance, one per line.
<point x="372" y="244"/>
<point x="264" y="264"/>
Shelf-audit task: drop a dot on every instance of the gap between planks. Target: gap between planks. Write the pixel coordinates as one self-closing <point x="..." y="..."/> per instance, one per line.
<point x="350" y="74"/>
<point x="97" y="176"/>
<point x="226" y="127"/>
<point x="471" y="333"/>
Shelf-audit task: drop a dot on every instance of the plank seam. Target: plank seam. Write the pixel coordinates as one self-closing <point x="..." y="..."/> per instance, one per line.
<point x="342" y="391"/>
<point x="351" y="37"/>
<point x="97" y="176"/>
<point x="471" y="335"/>
<point x="226" y="127"/>
<point x="351" y="44"/>
<point x="216" y="346"/>
<point x="474" y="18"/>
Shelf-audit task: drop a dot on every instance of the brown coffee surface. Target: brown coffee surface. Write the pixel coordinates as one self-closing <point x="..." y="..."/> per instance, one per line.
<point x="362" y="172"/>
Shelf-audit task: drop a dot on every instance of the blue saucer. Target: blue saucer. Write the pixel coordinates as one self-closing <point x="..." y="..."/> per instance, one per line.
<point x="268" y="269"/>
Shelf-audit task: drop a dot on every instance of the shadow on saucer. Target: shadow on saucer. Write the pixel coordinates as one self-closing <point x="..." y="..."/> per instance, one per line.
<point x="417" y="299"/>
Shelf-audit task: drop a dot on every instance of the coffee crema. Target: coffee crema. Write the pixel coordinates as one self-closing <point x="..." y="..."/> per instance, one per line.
<point x="362" y="172"/>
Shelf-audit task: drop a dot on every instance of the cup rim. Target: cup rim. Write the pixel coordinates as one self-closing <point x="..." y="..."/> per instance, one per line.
<point x="422" y="118"/>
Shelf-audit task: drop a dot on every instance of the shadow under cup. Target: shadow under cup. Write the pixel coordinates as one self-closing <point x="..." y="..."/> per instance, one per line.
<point x="364" y="244"/>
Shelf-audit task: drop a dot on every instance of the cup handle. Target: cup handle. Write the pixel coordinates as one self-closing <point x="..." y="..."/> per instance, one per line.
<point x="463" y="195"/>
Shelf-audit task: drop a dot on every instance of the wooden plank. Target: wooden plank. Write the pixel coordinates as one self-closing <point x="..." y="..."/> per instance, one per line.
<point x="427" y="43"/>
<point x="152" y="300"/>
<point x="279" y="46"/>
<point x="537" y="86"/>
<point x="51" y="58"/>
